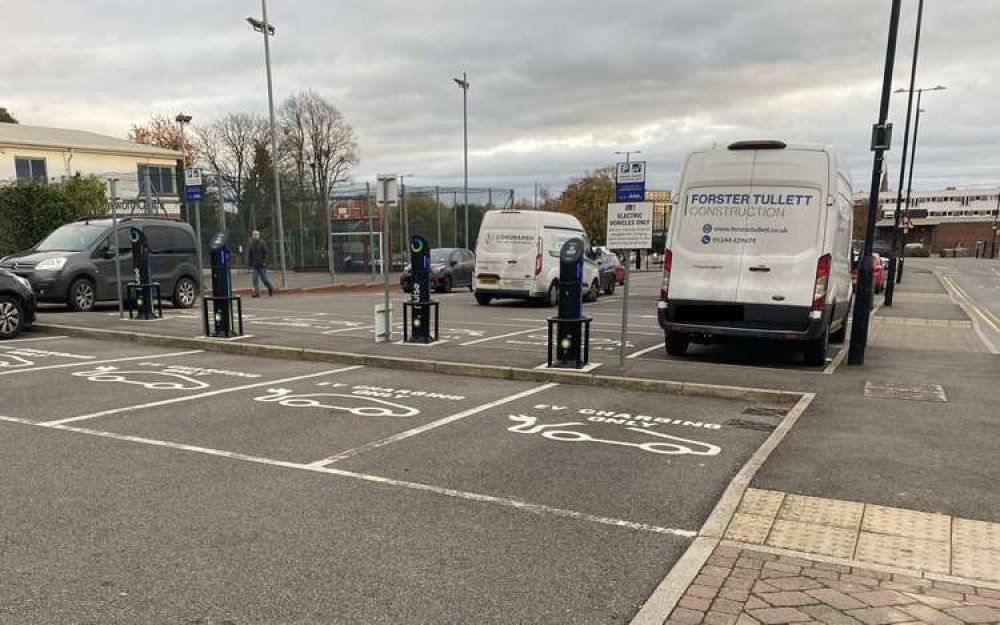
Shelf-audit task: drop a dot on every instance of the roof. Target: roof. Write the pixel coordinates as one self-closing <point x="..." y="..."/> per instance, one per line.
<point x="61" y="138"/>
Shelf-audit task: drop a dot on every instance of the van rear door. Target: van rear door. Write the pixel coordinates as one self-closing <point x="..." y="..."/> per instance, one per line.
<point x="506" y="250"/>
<point x="784" y="227"/>
<point x="706" y="240"/>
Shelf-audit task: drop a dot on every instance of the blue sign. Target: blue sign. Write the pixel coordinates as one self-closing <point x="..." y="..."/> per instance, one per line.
<point x="193" y="193"/>
<point x="631" y="192"/>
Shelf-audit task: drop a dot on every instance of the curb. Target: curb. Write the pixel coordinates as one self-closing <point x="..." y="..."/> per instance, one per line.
<point x="667" y="387"/>
<point x="363" y="287"/>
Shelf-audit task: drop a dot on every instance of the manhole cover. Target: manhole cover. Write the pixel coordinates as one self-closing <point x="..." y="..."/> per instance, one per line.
<point x="914" y="392"/>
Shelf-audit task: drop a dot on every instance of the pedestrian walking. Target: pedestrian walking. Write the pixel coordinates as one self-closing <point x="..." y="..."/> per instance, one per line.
<point x="257" y="257"/>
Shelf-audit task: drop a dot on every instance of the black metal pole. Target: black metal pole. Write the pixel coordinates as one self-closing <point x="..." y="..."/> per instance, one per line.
<point x="880" y="141"/>
<point x="896" y="247"/>
<point x="909" y="186"/>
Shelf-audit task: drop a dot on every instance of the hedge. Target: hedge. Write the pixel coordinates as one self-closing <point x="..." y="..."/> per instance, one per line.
<point x="30" y="209"/>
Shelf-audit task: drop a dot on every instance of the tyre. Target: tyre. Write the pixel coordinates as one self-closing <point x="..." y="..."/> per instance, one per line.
<point x="11" y="316"/>
<point x="593" y="292"/>
<point x="677" y="343"/>
<point x="483" y="300"/>
<point x="552" y="297"/>
<point x="472" y="289"/>
<point x="81" y="295"/>
<point x="610" y="288"/>
<point x="446" y="285"/>
<point x="840" y="335"/>
<point x="815" y="351"/>
<point x="185" y="293"/>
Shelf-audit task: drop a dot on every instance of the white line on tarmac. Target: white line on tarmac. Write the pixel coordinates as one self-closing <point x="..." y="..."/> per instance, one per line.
<point x="41" y="338"/>
<point x="102" y="362"/>
<point x="507" y="502"/>
<point x="502" y="336"/>
<point x="646" y="351"/>
<point x="430" y="426"/>
<point x="356" y="328"/>
<point x="177" y="400"/>
<point x="837" y="360"/>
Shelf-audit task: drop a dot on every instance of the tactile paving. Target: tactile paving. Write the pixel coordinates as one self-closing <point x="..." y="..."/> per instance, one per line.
<point x="846" y="514"/>
<point x="975" y="563"/>
<point x="906" y="552"/>
<point x="761" y="502"/>
<point x="976" y="534"/>
<point x="749" y="528"/>
<point x="812" y="538"/>
<point x="908" y="523"/>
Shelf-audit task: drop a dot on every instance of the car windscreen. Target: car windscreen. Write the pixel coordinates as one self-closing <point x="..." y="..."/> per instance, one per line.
<point x="71" y="238"/>
<point x="441" y="254"/>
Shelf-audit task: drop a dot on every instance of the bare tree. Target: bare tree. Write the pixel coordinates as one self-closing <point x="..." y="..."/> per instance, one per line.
<point x="318" y="140"/>
<point x="227" y="146"/>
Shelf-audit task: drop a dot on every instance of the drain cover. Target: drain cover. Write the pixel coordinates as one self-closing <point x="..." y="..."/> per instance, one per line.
<point x="913" y="392"/>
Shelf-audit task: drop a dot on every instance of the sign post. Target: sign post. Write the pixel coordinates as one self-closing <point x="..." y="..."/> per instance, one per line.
<point x="386" y="192"/>
<point x="630" y="226"/>
<point x="193" y="191"/>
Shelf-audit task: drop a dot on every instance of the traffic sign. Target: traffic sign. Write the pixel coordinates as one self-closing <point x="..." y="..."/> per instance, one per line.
<point x="630" y="226"/>
<point x="193" y="193"/>
<point x="192" y="177"/>
<point x="630" y="192"/>
<point x="633" y="171"/>
<point x="387" y="188"/>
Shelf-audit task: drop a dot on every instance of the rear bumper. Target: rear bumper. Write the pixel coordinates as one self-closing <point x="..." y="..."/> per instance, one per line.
<point x="759" y="321"/>
<point x="505" y="293"/>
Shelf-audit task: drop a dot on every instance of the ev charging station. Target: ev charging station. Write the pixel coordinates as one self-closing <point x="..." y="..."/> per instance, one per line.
<point x="141" y="289"/>
<point x="417" y="325"/>
<point x="570" y="327"/>
<point x="222" y="299"/>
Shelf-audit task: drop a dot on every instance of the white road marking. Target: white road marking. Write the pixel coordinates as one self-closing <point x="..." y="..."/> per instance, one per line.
<point x="177" y="400"/>
<point x="502" y="336"/>
<point x="507" y="502"/>
<point x="339" y="330"/>
<point x="430" y="426"/>
<point x="230" y="338"/>
<point x="42" y="338"/>
<point x="837" y="360"/>
<point x="584" y="369"/>
<point x="642" y="352"/>
<point x="101" y="362"/>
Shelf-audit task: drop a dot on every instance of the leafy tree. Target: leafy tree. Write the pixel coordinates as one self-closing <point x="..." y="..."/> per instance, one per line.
<point x="587" y="198"/>
<point x="31" y="209"/>
<point x="6" y="117"/>
<point x="162" y="132"/>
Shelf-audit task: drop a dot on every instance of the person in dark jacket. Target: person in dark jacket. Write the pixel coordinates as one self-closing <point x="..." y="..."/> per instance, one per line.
<point x="258" y="265"/>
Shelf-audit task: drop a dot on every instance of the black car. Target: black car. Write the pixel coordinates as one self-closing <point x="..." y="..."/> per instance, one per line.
<point x="77" y="263"/>
<point x="450" y="267"/>
<point x="17" y="304"/>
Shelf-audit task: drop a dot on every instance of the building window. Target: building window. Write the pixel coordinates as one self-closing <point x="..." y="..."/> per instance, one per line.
<point x="30" y="168"/>
<point x="161" y="179"/>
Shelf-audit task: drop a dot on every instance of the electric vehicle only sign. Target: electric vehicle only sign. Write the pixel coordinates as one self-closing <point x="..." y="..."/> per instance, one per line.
<point x="630" y="225"/>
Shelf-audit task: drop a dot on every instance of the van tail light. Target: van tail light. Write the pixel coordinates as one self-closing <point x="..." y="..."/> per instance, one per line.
<point x="668" y="261"/>
<point x="822" y="282"/>
<point x="538" y="258"/>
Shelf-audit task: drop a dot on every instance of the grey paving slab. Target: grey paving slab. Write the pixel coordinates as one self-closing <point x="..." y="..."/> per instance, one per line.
<point x="925" y="310"/>
<point x="108" y="531"/>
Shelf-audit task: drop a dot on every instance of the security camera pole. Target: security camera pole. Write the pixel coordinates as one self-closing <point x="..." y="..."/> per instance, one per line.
<point x="263" y="27"/>
<point x="881" y="139"/>
<point x="463" y="82"/>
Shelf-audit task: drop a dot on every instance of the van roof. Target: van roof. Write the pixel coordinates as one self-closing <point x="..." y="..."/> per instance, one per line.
<point x="789" y="145"/>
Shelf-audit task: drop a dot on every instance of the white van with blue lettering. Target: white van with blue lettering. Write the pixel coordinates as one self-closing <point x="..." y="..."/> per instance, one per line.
<point x="759" y="246"/>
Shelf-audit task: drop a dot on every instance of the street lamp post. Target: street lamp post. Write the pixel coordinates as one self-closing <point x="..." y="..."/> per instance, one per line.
<point x="881" y="136"/>
<point x="183" y="120"/>
<point x="404" y="218"/>
<point x="463" y="82"/>
<point x="267" y="30"/>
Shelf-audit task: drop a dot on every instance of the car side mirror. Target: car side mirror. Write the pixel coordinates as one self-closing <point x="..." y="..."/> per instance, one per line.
<point x="454" y="263"/>
<point x="108" y="253"/>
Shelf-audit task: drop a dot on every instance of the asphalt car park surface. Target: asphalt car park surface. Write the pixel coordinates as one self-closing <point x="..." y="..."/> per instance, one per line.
<point x="180" y="485"/>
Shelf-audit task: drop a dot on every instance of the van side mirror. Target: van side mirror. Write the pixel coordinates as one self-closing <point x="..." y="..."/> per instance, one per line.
<point x="108" y="253"/>
<point x="454" y="263"/>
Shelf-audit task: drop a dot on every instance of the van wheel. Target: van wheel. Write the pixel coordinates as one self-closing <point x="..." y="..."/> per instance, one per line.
<point x="81" y="295"/>
<point x="815" y="351"/>
<point x="446" y="285"/>
<point x="11" y="316"/>
<point x="610" y="289"/>
<point x="185" y="293"/>
<point x="552" y="297"/>
<point x="483" y="300"/>
<point x="594" y="291"/>
<point x="840" y="335"/>
<point x="677" y="343"/>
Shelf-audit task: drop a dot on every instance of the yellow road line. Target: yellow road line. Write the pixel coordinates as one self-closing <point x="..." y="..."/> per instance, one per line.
<point x="986" y="315"/>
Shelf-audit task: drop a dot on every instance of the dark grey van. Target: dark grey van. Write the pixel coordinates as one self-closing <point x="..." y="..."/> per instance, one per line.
<point x="75" y="264"/>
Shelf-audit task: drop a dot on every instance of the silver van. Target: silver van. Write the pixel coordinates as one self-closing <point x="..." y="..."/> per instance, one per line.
<point x="75" y="265"/>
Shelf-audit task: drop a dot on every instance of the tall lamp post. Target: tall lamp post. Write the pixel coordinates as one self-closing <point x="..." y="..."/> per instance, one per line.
<point x="463" y="82"/>
<point x="881" y="138"/>
<point x="909" y="185"/>
<point x="404" y="218"/>
<point x="267" y="30"/>
<point x="183" y="120"/>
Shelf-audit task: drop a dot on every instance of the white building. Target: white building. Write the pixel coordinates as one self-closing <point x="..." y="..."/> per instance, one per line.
<point x="946" y="205"/>
<point x="54" y="154"/>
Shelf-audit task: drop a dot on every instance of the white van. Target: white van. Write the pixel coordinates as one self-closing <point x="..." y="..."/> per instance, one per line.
<point x="517" y="256"/>
<point x="759" y="246"/>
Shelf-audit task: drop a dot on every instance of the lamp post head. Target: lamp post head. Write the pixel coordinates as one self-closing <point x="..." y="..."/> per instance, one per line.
<point x="464" y="84"/>
<point x="259" y="26"/>
<point x="182" y="118"/>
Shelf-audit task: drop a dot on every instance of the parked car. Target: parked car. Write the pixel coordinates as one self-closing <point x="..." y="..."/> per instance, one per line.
<point x="450" y="267"/>
<point x="17" y="304"/>
<point x="917" y="250"/>
<point x="517" y="256"/>
<point x="760" y="248"/>
<point x="75" y="264"/>
<point x="609" y="269"/>
<point x="880" y="273"/>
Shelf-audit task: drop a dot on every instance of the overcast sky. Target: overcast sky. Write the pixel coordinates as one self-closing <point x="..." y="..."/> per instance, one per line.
<point x="557" y="85"/>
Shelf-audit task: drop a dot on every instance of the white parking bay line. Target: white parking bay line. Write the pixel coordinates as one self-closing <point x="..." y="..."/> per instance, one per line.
<point x="102" y="362"/>
<point x="430" y="426"/>
<point x="184" y="398"/>
<point x="501" y="336"/>
<point x="642" y="352"/>
<point x="41" y="338"/>
<point x="507" y="502"/>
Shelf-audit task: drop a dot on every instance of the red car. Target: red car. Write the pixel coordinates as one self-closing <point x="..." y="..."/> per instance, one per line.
<point x="880" y="275"/>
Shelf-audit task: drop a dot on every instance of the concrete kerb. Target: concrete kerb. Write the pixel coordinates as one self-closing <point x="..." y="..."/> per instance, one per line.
<point x="783" y="398"/>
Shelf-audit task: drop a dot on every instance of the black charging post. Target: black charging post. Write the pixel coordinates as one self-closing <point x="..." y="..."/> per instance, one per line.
<point x="570" y="327"/>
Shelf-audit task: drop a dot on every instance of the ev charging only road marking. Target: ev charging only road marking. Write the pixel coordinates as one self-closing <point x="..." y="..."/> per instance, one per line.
<point x="507" y="502"/>
<point x="185" y="398"/>
<point x="101" y="362"/>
